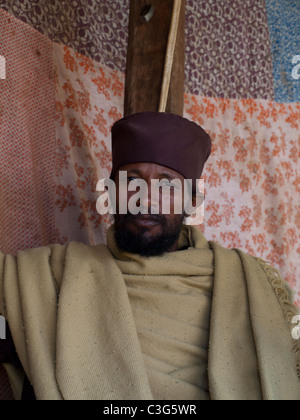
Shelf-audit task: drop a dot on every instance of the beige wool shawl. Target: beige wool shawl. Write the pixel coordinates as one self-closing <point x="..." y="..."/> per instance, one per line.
<point x="72" y="324"/>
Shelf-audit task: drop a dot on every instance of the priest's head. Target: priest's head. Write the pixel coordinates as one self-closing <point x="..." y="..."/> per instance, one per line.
<point x="155" y="149"/>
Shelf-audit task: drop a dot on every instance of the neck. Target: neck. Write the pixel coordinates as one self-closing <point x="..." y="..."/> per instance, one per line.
<point x="174" y="247"/>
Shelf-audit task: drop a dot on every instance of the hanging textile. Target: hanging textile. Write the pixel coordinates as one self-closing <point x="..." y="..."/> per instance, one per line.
<point x="64" y="88"/>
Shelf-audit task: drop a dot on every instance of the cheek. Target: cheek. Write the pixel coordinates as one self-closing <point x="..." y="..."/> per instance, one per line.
<point x="170" y="203"/>
<point x="171" y="224"/>
<point x="176" y="201"/>
<point x="122" y="197"/>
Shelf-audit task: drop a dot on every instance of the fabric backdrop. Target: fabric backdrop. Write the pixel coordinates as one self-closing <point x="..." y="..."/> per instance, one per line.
<point x="63" y="89"/>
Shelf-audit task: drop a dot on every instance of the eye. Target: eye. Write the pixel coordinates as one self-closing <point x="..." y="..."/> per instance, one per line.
<point x="134" y="182"/>
<point x="132" y="178"/>
<point x="173" y="184"/>
<point x="166" y="183"/>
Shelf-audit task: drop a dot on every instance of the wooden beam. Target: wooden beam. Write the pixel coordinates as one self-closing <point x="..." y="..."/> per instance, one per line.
<point x="147" y="49"/>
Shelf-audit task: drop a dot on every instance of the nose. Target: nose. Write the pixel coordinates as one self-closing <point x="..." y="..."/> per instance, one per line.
<point x="148" y="201"/>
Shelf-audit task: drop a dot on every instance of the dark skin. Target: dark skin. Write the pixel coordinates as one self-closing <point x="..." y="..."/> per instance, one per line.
<point x="150" y="226"/>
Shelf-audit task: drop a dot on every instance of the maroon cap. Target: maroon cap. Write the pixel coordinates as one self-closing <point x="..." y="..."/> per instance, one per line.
<point x="166" y="139"/>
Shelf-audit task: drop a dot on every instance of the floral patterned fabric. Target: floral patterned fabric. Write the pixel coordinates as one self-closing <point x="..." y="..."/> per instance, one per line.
<point x="27" y="137"/>
<point x="228" y="47"/>
<point x="89" y="99"/>
<point x="252" y="180"/>
<point x="64" y="89"/>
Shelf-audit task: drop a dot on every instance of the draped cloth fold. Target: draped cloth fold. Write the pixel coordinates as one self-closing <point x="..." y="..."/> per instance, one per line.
<point x="73" y="327"/>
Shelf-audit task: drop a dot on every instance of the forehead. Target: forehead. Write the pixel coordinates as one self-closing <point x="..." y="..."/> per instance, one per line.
<point x="151" y="169"/>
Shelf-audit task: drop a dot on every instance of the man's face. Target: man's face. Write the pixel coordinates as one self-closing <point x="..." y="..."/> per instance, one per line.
<point x="148" y="234"/>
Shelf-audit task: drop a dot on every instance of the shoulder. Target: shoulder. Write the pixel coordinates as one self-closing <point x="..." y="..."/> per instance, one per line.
<point x="269" y="296"/>
<point x="271" y="275"/>
<point x="7" y="348"/>
<point x="258" y="271"/>
<point x="81" y="250"/>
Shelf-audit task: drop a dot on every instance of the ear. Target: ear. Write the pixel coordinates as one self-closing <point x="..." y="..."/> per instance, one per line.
<point x="194" y="199"/>
<point x="195" y="213"/>
<point x="194" y="203"/>
<point x="197" y="200"/>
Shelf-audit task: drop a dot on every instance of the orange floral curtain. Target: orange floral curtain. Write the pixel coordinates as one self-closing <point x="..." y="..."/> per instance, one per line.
<point x="64" y="88"/>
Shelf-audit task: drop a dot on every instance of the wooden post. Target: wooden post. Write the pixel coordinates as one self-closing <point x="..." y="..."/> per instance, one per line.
<point x="147" y="49"/>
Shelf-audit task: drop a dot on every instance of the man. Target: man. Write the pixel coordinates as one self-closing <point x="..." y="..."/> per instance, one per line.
<point x="158" y="313"/>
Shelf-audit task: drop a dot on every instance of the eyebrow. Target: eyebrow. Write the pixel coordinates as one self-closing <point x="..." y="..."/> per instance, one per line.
<point x="160" y="175"/>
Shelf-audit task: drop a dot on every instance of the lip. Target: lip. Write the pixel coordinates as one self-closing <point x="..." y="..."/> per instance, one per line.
<point x="146" y="221"/>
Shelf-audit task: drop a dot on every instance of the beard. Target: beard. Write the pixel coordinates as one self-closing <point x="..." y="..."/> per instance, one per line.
<point x="142" y="242"/>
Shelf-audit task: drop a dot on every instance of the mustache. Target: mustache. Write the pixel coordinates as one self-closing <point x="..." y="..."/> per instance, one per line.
<point x="158" y="218"/>
<point x="154" y="217"/>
